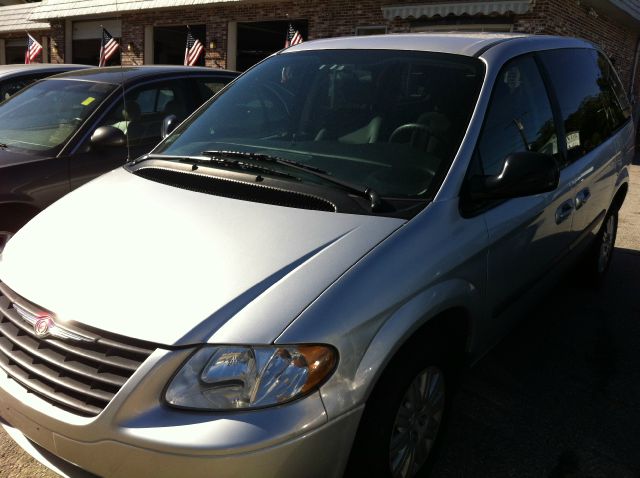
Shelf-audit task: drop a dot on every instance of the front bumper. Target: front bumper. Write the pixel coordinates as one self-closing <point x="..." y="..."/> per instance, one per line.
<point x="136" y="435"/>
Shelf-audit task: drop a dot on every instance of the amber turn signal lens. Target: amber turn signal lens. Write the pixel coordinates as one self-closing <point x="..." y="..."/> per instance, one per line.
<point x="321" y="361"/>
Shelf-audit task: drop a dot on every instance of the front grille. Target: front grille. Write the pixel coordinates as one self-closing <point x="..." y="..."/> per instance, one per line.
<point x="79" y="376"/>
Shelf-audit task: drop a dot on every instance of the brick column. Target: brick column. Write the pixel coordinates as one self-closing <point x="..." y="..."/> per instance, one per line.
<point x="56" y="46"/>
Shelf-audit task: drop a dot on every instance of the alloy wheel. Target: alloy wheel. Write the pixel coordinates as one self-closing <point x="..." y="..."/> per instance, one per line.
<point x="417" y="423"/>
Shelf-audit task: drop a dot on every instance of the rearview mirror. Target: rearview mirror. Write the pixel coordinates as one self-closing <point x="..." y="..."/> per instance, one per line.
<point x="168" y="125"/>
<point x="108" y="136"/>
<point x="523" y="174"/>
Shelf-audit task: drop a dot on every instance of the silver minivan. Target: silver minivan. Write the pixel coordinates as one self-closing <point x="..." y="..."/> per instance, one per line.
<point x="288" y="284"/>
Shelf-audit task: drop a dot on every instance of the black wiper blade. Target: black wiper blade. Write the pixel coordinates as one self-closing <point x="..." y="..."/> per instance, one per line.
<point x="362" y="191"/>
<point x="225" y="163"/>
<point x="264" y="157"/>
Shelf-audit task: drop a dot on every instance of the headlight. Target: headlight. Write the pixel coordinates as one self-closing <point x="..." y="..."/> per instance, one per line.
<point x="238" y="377"/>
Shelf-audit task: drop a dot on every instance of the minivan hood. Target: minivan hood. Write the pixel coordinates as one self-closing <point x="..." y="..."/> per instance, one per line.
<point x="171" y="266"/>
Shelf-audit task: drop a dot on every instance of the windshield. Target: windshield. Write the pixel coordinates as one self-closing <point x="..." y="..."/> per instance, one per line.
<point x="388" y="120"/>
<point x="41" y="118"/>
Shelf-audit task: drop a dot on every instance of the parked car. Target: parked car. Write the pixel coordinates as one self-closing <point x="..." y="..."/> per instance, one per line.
<point x="15" y="77"/>
<point x="65" y="130"/>
<point x="289" y="283"/>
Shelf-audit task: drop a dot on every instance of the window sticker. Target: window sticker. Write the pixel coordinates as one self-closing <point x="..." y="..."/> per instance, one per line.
<point x="573" y="139"/>
<point x="88" y="101"/>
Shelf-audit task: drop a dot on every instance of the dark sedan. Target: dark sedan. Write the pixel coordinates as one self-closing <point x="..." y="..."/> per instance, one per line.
<point x="65" y="130"/>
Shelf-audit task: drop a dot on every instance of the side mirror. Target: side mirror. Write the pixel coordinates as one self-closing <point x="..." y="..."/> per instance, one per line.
<point x="168" y="125"/>
<point x="107" y="137"/>
<point x="523" y="174"/>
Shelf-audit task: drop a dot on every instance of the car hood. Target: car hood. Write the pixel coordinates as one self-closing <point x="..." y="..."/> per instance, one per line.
<point x="171" y="266"/>
<point x="9" y="158"/>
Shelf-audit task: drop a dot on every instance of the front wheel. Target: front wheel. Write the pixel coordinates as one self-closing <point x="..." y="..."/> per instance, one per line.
<point x="417" y="423"/>
<point x="4" y="238"/>
<point x="401" y="426"/>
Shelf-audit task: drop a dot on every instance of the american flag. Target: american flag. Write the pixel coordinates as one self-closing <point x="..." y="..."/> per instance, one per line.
<point x="193" y="51"/>
<point x="108" y="47"/>
<point x="293" y="37"/>
<point x="33" y="50"/>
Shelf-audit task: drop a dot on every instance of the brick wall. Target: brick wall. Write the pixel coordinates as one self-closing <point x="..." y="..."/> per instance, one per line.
<point x="57" y="42"/>
<point x="332" y="18"/>
<point x="568" y="18"/>
<point x="326" y="19"/>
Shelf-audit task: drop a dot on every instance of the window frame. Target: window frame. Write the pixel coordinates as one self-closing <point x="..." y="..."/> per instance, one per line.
<point x="466" y="207"/>
<point x="553" y="93"/>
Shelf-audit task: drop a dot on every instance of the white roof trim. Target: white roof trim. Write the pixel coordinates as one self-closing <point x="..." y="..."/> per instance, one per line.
<point x="456" y="8"/>
<point x="14" y="18"/>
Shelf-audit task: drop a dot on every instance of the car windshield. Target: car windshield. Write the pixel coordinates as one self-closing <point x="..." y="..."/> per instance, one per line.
<point x="41" y="118"/>
<point x="387" y="120"/>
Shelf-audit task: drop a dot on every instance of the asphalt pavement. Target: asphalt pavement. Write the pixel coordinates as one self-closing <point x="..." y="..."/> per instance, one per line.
<point x="558" y="398"/>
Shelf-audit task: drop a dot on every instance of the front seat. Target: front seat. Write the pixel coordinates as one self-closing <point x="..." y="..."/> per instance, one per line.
<point x="135" y="127"/>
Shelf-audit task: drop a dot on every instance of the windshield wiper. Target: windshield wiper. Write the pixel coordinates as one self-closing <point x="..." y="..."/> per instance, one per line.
<point x="362" y="191"/>
<point x="225" y="163"/>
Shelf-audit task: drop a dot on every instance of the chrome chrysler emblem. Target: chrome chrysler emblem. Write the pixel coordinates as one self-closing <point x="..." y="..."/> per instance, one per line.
<point x="42" y="326"/>
<point x="45" y="327"/>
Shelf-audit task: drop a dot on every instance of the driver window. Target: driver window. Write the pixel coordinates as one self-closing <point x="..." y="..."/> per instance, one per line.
<point x="519" y="117"/>
<point x="140" y="116"/>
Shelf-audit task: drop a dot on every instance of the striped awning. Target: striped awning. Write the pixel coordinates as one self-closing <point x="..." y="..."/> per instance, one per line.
<point x="443" y="9"/>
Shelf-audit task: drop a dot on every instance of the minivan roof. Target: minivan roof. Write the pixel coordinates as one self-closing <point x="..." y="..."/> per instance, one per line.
<point x="116" y="74"/>
<point x="468" y="44"/>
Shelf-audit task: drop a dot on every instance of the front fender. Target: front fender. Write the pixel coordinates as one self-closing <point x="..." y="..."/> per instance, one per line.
<point x="434" y="263"/>
<point x="443" y="297"/>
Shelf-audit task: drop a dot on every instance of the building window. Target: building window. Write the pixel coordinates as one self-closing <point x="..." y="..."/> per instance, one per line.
<point x="169" y="44"/>
<point x="258" y="40"/>
<point x="15" y="49"/>
<point x="87" y="38"/>
<point x="371" y="30"/>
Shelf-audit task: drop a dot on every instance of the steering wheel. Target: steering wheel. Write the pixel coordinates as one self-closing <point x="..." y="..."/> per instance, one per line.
<point x="408" y="127"/>
<point x="276" y="92"/>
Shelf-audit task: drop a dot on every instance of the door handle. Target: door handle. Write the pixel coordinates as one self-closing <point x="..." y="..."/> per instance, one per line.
<point x="564" y="211"/>
<point x="582" y="198"/>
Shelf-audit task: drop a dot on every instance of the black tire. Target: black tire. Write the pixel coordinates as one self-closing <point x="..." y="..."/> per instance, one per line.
<point x="11" y="225"/>
<point x="598" y="258"/>
<point x="371" y="453"/>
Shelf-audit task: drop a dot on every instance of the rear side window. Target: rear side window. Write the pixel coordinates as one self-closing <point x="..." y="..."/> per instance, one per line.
<point x="591" y="110"/>
<point x="519" y="117"/>
<point x="207" y="87"/>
